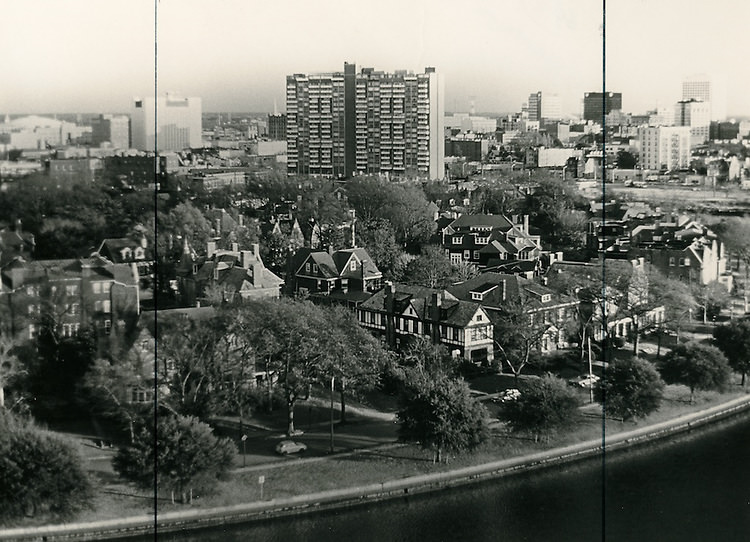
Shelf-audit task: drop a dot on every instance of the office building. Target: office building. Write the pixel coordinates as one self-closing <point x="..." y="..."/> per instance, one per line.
<point x="710" y="89"/>
<point x="112" y="130"/>
<point x="664" y="147"/>
<point x="166" y="123"/>
<point x="598" y="104"/>
<point x="697" y="115"/>
<point x="343" y="123"/>
<point x="551" y="107"/>
<point x="534" y="107"/>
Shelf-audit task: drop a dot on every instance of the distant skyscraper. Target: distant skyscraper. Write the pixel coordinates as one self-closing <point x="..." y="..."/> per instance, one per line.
<point x="664" y="147"/>
<point x="277" y="126"/>
<point x="697" y="115"/>
<point x="596" y="104"/>
<point x="551" y="107"/>
<point x="707" y="88"/>
<point x="174" y="122"/>
<point x="111" y="129"/>
<point x="535" y="106"/>
<point x="343" y="123"/>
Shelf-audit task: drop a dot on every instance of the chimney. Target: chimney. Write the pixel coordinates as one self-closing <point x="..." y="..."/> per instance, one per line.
<point x="256" y="250"/>
<point x="434" y="316"/>
<point x="241" y="220"/>
<point x="245" y="258"/>
<point x="390" y="292"/>
<point x="502" y="285"/>
<point x="19" y="226"/>
<point x="210" y="248"/>
<point x="216" y="271"/>
<point x="235" y="247"/>
<point x="526" y="223"/>
<point x="218" y="226"/>
<point x="388" y="302"/>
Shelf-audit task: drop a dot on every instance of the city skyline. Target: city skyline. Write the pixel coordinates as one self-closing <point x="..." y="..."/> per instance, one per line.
<point x="236" y="54"/>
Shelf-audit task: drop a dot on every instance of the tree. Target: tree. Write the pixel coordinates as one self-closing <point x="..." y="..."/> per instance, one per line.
<point x="379" y="238"/>
<point x="437" y="411"/>
<point x="676" y="298"/>
<point x="632" y="389"/>
<point x="733" y="340"/>
<point x="710" y="298"/>
<point x="292" y="339"/>
<point x="735" y="233"/>
<point x="41" y="473"/>
<point x="9" y="363"/>
<point x="181" y="451"/>
<point x="544" y="406"/>
<point x="431" y="269"/>
<point x="698" y="366"/>
<point x="354" y="358"/>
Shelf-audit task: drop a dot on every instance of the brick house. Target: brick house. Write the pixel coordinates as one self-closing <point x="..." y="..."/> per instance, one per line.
<point x="73" y="293"/>
<point x="400" y="312"/>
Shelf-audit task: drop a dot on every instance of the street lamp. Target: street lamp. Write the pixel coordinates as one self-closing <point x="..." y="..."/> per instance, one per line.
<point x="244" y="440"/>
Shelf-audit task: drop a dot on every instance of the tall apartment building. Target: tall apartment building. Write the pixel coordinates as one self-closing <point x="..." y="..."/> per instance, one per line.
<point x="697" y="115"/>
<point x="343" y="123"/>
<point x="277" y="126"/>
<point x="111" y="129"/>
<point x="664" y="147"/>
<point x="597" y="104"/>
<point x="169" y="123"/>
<point x="710" y="89"/>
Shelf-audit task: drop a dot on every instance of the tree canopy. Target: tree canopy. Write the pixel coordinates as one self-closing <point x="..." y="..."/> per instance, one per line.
<point x="696" y="365"/>
<point x="632" y="389"/>
<point x="181" y="450"/>
<point x="544" y="406"/>
<point x="733" y="339"/>
<point x="41" y="473"/>
<point x="437" y="411"/>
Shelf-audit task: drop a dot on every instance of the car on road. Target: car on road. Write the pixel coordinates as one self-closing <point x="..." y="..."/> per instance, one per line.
<point x="584" y="381"/>
<point x="286" y="447"/>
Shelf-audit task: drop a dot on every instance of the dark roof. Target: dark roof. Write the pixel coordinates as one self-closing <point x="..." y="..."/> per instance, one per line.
<point x="493" y="221"/>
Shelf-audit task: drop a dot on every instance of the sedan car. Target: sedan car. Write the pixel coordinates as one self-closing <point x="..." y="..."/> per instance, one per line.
<point x="290" y="447"/>
<point x="584" y="381"/>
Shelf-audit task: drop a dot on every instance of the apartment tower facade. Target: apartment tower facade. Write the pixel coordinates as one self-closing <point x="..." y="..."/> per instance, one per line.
<point x="166" y="123"/>
<point x="342" y="124"/>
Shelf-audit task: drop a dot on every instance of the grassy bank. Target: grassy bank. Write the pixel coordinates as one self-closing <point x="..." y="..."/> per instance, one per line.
<point x="297" y="477"/>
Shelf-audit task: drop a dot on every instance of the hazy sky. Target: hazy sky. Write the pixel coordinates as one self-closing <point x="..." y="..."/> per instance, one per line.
<point x="94" y="55"/>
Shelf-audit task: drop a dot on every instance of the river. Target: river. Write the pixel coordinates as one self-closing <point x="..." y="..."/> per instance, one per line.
<point x="694" y="488"/>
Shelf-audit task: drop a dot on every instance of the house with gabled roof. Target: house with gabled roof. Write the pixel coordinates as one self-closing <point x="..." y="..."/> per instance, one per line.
<point x="483" y="239"/>
<point x="131" y="250"/>
<point x="15" y="242"/>
<point x="344" y="274"/>
<point x="230" y="276"/>
<point x="400" y="312"/>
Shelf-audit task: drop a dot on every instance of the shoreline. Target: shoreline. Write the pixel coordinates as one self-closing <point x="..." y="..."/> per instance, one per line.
<point x="343" y="498"/>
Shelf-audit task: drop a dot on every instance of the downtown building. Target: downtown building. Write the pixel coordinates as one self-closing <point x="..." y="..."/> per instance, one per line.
<point x="166" y="123"/>
<point x="706" y="88"/>
<point x="697" y="115"/>
<point x="346" y="123"/>
<point x="599" y="104"/>
<point x="664" y="147"/>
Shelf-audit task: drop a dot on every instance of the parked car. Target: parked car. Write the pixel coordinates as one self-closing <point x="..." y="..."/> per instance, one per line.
<point x="584" y="381"/>
<point x="286" y="447"/>
<point x="510" y="394"/>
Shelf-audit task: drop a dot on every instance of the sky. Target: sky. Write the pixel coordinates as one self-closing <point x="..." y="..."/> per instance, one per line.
<point x="94" y="56"/>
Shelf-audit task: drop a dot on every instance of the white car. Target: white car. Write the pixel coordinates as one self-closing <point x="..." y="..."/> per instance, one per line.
<point x="290" y="447"/>
<point x="585" y="381"/>
<point x="511" y="394"/>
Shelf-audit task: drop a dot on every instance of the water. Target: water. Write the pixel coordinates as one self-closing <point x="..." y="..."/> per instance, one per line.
<point x="694" y="488"/>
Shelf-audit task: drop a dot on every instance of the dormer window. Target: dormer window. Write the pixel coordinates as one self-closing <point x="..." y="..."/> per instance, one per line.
<point x="457" y="240"/>
<point x="482" y="240"/>
<point x="546" y="298"/>
<point x="477" y="296"/>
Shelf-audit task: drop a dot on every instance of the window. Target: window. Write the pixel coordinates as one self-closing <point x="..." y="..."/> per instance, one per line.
<point x="467" y="254"/>
<point x="353" y="265"/>
<point x="32" y="290"/>
<point x="546" y="298"/>
<point x="687" y="262"/>
<point x="106" y="306"/>
<point x="315" y="268"/>
<point x="457" y="240"/>
<point x="106" y="286"/>
<point x="456" y="258"/>
<point x="71" y="289"/>
<point x="96" y="287"/>
<point x="32" y="331"/>
<point x="482" y="240"/>
<point x="477" y="296"/>
<point x="479" y="317"/>
<point x="33" y="309"/>
<point x="307" y="267"/>
<point x="476" y="254"/>
<point x="74" y="309"/>
<point x="671" y="262"/>
<point x="107" y="326"/>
